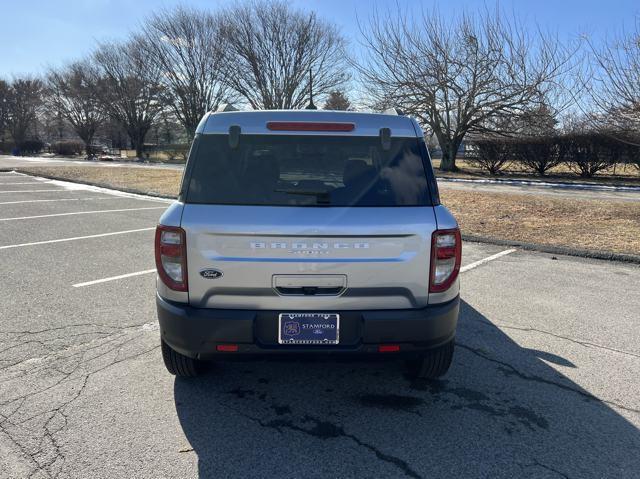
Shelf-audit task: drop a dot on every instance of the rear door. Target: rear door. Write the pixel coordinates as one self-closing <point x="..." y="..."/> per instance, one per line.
<point x="308" y="223"/>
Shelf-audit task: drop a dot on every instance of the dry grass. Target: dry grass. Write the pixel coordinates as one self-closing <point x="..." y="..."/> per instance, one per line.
<point x="159" y="181"/>
<point x="590" y="224"/>
<point x="599" y="225"/>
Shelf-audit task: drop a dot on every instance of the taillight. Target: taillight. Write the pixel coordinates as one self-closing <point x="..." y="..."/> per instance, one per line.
<point x="446" y="249"/>
<point x="171" y="257"/>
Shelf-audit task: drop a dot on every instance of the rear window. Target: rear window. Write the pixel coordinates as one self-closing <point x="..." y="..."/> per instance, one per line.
<point x="294" y="170"/>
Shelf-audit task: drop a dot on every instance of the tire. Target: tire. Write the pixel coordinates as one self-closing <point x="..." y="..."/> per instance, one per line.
<point x="179" y="364"/>
<point x="433" y="364"/>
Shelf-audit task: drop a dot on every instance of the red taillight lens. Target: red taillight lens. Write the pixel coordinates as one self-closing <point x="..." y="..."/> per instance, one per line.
<point x="227" y="348"/>
<point x="309" y="126"/>
<point x="446" y="249"/>
<point x="171" y="257"/>
<point x="388" y="348"/>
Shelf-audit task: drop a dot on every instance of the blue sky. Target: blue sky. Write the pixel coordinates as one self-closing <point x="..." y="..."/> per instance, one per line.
<point x="38" y="33"/>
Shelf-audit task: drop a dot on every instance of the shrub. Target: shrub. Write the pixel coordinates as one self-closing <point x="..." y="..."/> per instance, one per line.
<point x="632" y="150"/>
<point x="67" y="147"/>
<point x="177" y="152"/>
<point x="31" y="146"/>
<point x="7" y="146"/>
<point x="538" y="154"/>
<point x="589" y="153"/>
<point x="491" y="154"/>
<point x="633" y="155"/>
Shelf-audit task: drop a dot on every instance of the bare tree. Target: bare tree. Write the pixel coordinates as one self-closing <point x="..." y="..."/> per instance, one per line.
<point x="25" y="99"/>
<point x="73" y="93"/>
<point x="129" y="88"/>
<point x="457" y="76"/>
<point x="188" y="45"/>
<point x="272" y="48"/>
<point x="5" y="92"/>
<point x="337" y="100"/>
<point x="615" y="84"/>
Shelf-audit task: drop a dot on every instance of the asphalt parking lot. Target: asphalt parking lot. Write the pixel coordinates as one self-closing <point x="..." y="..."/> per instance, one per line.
<point x="545" y="381"/>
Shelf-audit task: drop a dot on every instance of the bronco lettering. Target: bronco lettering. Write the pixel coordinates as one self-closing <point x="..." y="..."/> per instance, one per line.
<point x="307" y="246"/>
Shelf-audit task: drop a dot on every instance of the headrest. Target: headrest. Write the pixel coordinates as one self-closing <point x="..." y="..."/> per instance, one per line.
<point x="263" y="169"/>
<point x="355" y="170"/>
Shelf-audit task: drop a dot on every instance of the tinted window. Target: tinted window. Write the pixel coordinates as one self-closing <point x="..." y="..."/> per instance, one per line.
<point x="282" y="170"/>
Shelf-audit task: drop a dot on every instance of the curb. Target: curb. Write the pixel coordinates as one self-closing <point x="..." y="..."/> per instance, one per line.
<point x="563" y="250"/>
<point x="94" y="183"/>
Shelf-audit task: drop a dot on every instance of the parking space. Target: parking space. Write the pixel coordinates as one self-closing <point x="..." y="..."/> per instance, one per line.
<point x="544" y="383"/>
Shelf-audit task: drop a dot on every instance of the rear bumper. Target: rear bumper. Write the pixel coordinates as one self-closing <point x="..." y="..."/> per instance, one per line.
<point x="196" y="332"/>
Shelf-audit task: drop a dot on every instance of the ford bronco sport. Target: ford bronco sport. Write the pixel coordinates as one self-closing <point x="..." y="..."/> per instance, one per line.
<point x="308" y="232"/>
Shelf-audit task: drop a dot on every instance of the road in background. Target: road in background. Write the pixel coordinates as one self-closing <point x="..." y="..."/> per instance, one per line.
<point x="574" y="191"/>
<point x="561" y="190"/>
<point x="544" y="383"/>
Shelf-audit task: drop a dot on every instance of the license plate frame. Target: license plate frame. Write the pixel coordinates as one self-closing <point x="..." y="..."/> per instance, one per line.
<point x="298" y="329"/>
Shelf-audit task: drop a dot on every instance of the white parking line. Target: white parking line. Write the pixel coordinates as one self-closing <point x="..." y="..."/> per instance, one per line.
<point x="61" y="240"/>
<point x="149" y="271"/>
<point x="82" y="213"/>
<point x="486" y="260"/>
<point x="113" y="278"/>
<point x="34" y="191"/>
<point x="63" y="199"/>
<point x="22" y="183"/>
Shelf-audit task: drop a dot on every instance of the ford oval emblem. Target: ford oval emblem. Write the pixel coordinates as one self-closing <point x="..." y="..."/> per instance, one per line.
<point x="211" y="273"/>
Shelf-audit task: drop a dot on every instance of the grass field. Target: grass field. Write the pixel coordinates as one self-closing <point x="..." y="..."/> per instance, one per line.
<point x="599" y="225"/>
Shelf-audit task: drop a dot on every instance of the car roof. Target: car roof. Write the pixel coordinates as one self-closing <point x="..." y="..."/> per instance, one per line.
<point x="255" y="122"/>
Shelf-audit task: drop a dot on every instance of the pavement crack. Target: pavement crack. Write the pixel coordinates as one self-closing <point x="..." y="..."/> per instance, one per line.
<point x="586" y="344"/>
<point x="509" y="369"/>
<point x="327" y="430"/>
<point x="70" y="368"/>
<point x="549" y="468"/>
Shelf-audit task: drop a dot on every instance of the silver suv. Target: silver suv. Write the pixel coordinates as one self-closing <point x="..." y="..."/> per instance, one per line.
<point x="308" y="232"/>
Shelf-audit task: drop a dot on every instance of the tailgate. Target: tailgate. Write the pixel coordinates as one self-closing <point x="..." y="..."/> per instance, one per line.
<point x="308" y="259"/>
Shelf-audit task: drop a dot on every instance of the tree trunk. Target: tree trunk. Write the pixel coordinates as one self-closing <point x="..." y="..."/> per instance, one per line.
<point x="449" y="152"/>
<point x="137" y="141"/>
<point x="87" y="139"/>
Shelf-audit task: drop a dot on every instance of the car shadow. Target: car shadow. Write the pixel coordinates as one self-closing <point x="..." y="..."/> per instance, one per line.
<point x="500" y="412"/>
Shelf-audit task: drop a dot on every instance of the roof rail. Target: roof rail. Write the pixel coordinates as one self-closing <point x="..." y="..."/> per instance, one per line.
<point x="393" y="111"/>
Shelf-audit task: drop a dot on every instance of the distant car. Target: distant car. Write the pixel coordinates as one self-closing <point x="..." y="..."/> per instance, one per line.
<point x="308" y="232"/>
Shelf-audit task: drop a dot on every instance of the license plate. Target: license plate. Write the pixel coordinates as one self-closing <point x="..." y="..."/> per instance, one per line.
<point x="308" y="328"/>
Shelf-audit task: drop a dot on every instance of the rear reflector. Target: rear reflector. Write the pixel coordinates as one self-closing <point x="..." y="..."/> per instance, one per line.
<point x="227" y="348"/>
<point x="309" y="126"/>
<point x="388" y="348"/>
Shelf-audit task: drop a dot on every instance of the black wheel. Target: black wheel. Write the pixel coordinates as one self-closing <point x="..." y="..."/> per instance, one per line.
<point x="433" y="363"/>
<point x="179" y="364"/>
